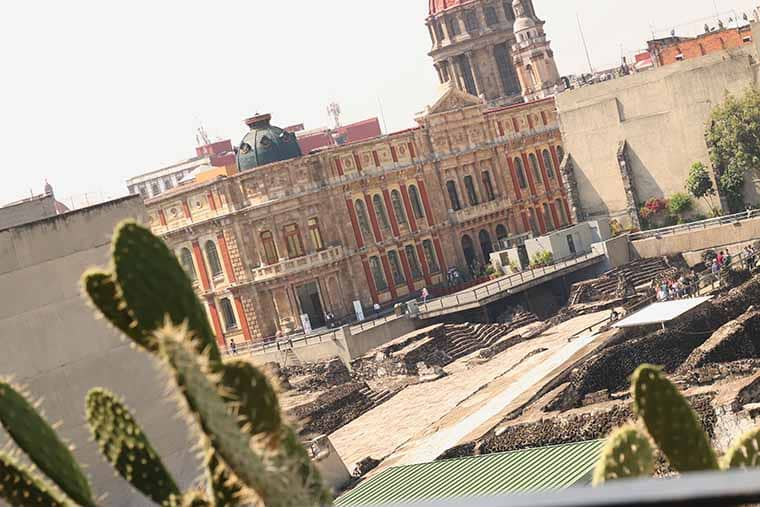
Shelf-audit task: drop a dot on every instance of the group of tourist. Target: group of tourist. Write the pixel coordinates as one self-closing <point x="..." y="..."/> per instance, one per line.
<point x="681" y="286"/>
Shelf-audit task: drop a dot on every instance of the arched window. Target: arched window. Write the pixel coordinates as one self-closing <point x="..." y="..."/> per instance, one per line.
<point x="470" y="187"/>
<point x="536" y="169"/>
<point x="485" y="245"/>
<point x="377" y="273"/>
<point x="361" y="216"/>
<point x="453" y="195"/>
<point x="414" y="196"/>
<point x="377" y="202"/>
<point x="561" y="210"/>
<point x="550" y="225"/>
<point x="230" y="322"/>
<point x="414" y="262"/>
<point x="270" y="250"/>
<point x="213" y="259"/>
<point x="430" y="257"/>
<point x="398" y="207"/>
<point x="396" y="271"/>
<point x="186" y="259"/>
<point x="549" y="164"/>
<point x="520" y="173"/>
<point x="560" y="154"/>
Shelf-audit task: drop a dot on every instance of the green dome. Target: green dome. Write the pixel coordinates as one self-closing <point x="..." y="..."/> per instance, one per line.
<point x="265" y="144"/>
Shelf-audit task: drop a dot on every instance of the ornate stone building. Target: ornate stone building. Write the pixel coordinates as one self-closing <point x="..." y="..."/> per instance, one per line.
<point x="496" y="50"/>
<point x="373" y="221"/>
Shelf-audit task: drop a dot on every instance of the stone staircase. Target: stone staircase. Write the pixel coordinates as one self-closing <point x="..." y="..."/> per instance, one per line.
<point x="637" y="273"/>
<point x="289" y="358"/>
<point x="465" y="339"/>
<point x="375" y="398"/>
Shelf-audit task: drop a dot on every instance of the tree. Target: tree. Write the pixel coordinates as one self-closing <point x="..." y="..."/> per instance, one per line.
<point x="733" y="137"/>
<point x="700" y="185"/>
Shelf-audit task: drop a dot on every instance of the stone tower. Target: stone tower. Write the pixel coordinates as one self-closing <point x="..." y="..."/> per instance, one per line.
<point x="472" y="47"/>
<point x="533" y="56"/>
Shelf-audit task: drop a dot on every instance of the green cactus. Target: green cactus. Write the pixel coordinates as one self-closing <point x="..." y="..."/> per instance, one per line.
<point x="126" y="447"/>
<point x="39" y="441"/>
<point x="627" y="454"/>
<point x="251" y="390"/>
<point x="220" y="426"/>
<point x="104" y="294"/>
<point x="744" y="452"/>
<point x="154" y="286"/>
<point x="21" y="488"/>
<point x="671" y="421"/>
<point x="223" y="487"/>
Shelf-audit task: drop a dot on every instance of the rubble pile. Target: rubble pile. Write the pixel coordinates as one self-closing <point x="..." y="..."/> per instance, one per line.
<point x="333" y="409"/>
<point x="610" y="369"/>
<point x="314" y="377"/>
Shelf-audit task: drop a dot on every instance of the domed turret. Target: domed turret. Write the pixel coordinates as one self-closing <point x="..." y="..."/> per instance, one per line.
<point x="265" y="144"/>
<point x="523" y="17"/>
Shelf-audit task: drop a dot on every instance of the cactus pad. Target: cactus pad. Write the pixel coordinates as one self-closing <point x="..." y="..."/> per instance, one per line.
<point x="20" y="488"/>
<point x="39" y="441"/>
<point x="104" y="294"/>
<point x="154" y="285"/>
<point x="251" y="390"/>
<point x="626" y="454"/>
<point x="744" y="452"/>
<point x="126" y="447"/>
<point x="220" y="426"/>
<point x="671" y="421"/>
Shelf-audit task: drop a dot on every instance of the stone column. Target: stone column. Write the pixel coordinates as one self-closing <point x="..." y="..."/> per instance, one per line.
<point x="215" y="321"/>
<point x="201" y="263"/>
<point x="231" y="278"/>
<point x="243" y="319"/>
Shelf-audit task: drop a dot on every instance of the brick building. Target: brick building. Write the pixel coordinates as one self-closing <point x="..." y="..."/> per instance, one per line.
<point x="374" y="221"/>
<point x="677" y="49"/>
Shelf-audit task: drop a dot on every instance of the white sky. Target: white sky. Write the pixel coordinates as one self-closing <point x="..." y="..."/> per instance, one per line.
<point x="93" y="92"/>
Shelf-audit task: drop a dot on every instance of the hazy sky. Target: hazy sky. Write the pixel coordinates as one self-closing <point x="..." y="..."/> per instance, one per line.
<point x="93" y="92"/>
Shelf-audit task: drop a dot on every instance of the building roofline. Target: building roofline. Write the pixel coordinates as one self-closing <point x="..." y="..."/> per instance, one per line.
<point x="188" y="161"/>
<point x="518" y="106"/>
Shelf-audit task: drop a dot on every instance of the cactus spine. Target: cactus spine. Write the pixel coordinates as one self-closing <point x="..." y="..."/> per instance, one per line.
<point x="39" y="441"/>
<point x="21" y="488"/>
<point x="626" y="454"/>
<point x="745" y="451"/>
<point x="126" y="447"/>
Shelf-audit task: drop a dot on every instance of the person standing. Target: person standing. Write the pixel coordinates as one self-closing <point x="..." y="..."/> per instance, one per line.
<point x="233" y="347"/>
<point x="424" y="293"/>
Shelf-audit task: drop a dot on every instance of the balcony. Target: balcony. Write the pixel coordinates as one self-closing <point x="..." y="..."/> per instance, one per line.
<point x="471" y="213"/>
<point x="291" y="266"/>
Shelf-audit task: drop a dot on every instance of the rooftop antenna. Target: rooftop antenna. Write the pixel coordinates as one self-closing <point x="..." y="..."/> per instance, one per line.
<point x="585" y="46"/>
<point x="333" y="111"/>
<point x="382" y="114"/>
<point x="201" y="136"/>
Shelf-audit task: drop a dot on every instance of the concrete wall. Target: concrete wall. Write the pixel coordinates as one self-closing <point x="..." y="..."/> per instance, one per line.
<point x="53" y="344"/>
<point x="661" y="114"/>
<point x="697" y="240"/>
<point x="556" y="242"/>
<point x="23" y="212"/>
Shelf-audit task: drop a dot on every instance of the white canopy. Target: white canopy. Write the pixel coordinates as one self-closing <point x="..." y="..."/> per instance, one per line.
<point x="659" y="313"/>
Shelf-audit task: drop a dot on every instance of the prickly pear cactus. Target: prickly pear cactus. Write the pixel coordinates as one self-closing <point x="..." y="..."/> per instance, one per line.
<point x="744" y="452"/>
<point x="126" y="447"/>
<point x="39" y="441"/>
<point x="21" y="488"/>
<point x="251" y="390"/>
<point x="627" y="454"/>
<point x="220" y="427"/>
<point x="671" y="421"/>
<point x="104" y="295"/>
<point x="154" y="285"/>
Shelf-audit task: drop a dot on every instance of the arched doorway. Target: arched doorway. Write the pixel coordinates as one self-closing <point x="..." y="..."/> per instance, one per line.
<point x="502" y="233"/>
<point x="486" y="246"/>
<point x="468" y="249"/>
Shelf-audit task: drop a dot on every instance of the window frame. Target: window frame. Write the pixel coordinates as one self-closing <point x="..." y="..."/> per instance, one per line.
<point x="228" y="314"/>
<point x="214" y="261"/>
<point x="398" y="207"/>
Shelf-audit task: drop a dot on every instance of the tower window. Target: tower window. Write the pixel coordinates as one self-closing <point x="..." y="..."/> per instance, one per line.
<point x="471" y="21"/>
<point x="509" y="12"/>
<point x="453" y="25"/>
<point x="438" y="31"/>
<point x="491" y="17"/>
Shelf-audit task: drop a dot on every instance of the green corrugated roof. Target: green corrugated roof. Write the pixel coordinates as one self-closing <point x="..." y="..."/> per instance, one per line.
<point x="527" y="470"/>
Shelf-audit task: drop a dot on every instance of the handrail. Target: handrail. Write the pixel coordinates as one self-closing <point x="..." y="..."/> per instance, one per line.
<point x="702" y="224"/>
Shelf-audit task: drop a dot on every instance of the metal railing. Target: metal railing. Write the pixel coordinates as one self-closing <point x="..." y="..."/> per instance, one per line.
<point x="702" y="224"/>
<point x="503" y="284"/>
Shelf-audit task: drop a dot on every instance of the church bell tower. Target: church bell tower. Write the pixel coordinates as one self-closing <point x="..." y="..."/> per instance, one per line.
<point x="533" y="56"/>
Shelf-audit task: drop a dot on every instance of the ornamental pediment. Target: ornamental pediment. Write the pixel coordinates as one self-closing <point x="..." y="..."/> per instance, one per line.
<point x="452" y="100"/>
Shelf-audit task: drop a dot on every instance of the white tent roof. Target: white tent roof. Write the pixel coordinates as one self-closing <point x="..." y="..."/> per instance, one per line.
<point x="659" y="313"/>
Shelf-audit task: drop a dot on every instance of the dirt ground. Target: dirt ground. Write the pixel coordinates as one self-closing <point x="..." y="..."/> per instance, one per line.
<point x="424" y="420"/>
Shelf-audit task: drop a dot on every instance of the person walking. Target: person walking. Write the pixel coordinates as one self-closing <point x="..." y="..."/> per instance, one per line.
<point x="233" y="347"/>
